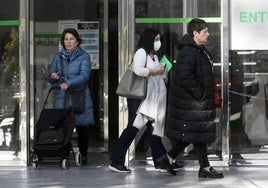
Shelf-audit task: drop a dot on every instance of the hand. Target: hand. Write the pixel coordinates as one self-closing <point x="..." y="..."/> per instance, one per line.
<point x="160" y="69"/>
<point x="166" y="79"/>
<point x="54" y="76"/>
<point x="64" y="86"/>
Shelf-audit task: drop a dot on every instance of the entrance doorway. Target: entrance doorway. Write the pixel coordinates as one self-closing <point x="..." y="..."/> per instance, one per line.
<point x="88" y="17"/>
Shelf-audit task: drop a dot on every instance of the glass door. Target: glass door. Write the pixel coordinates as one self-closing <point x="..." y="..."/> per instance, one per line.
<point x="248" y="84"/>
<point x="50" y="18"/>
<point x="13" y="98"/>
<point x="248" y="106"/>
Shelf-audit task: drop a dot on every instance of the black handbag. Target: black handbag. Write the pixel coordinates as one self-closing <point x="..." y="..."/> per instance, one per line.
<point x="131" y="85"/>
<point x="78" y="98"/>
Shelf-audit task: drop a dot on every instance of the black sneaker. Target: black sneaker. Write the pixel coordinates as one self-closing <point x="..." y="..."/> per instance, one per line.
<point x="177" y="166"/>
<point x="119" y="168"/>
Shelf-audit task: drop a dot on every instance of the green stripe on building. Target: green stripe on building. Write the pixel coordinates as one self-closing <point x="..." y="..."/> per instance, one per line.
<point x="47" y="35"/>
<point x="9" y="23"/>
<point x="175" y="20"/>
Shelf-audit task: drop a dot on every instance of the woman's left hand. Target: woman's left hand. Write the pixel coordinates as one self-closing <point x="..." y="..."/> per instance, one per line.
<point x="166" y="79"/>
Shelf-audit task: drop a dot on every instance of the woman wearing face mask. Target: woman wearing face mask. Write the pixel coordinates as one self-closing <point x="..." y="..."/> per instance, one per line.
<point x="152" y="109"/>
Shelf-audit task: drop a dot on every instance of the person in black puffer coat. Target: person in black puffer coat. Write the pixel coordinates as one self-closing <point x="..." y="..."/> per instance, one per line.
<point x="191" y="111"/>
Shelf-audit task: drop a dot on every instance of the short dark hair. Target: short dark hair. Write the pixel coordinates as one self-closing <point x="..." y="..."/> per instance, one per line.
<point x="196" y="24"/>
<point x="73" y="32"/>
<point x="147" y="38"/>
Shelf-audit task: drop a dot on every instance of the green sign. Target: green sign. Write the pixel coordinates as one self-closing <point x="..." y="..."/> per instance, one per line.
<point x="248" y="24"/>
<point x="253" y="16"/>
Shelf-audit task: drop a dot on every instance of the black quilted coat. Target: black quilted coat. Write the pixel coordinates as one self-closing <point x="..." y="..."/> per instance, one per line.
<point x="191" y="110"/>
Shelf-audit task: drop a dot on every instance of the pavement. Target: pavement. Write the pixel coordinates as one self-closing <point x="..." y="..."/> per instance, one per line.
<point x="143" y="175"/>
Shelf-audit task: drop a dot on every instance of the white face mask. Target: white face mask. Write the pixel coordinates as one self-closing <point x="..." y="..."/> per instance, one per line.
<point x="157" y="45"/>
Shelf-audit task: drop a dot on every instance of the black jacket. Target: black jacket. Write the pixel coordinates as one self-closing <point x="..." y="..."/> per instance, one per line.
<point x="191" y="110"/>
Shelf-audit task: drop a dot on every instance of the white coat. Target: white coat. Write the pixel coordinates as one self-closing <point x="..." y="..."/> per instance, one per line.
<point x="153" y="107"/>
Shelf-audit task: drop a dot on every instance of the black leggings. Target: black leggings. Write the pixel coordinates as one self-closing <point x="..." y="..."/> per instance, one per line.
<point x="82" y="139"/>
<point x="200" y="148"/>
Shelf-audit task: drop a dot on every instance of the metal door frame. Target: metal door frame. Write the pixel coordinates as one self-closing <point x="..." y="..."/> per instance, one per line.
<point x="126" y="33"/>
<point x="225" y="81"/>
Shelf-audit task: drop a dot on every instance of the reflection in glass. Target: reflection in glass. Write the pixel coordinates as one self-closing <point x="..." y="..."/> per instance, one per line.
<point x="9" y="86"/>
<point x="248" y="104"/>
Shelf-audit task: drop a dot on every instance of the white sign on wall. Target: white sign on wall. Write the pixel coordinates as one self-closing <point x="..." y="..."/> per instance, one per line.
<point x="249" y="24"/>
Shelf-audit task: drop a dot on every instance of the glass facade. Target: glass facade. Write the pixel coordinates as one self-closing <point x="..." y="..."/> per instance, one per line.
<point x="88" y="19"/>
<point x="248" y="84"/>
<point x="12" y="98"/>
<point x="29" y="38"/>
<point x="248" y="105"/>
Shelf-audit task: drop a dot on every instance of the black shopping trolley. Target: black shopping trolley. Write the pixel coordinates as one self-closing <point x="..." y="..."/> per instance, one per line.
<point x="53" y="135"/>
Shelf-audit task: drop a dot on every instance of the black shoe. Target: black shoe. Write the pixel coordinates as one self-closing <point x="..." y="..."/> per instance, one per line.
<point x="211" y="173"/>
<point x="119" y="168"/>
<point x="164" y="162"/>
<point x="177" y="166"/>
<point x="84" y="159"/>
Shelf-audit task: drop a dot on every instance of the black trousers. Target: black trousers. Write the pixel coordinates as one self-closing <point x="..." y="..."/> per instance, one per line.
<point x="82" y="139"/>
<point x="200" y="148"/>
<point x="129" y="134"/>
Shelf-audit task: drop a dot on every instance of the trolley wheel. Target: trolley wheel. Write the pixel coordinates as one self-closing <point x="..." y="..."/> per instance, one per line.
<point x="65" y="164"/>
<point x="78" y="159"/>
<point x="35" y="163"/>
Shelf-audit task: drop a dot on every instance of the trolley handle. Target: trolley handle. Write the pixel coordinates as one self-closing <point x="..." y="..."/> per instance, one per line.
<point x="54" y="87"/>
<point x="51" y="89"/>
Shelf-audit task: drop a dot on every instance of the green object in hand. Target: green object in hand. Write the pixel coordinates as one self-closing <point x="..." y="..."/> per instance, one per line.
<point x="168" y="64"/>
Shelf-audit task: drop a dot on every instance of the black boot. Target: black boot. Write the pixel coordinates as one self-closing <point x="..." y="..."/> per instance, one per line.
<point x="211" y="173"/>
<point x="164" y="162"/>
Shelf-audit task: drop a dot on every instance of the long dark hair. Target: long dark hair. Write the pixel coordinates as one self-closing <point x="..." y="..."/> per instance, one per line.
<point x="73" y="32"/>
<point x="147" y="38"/>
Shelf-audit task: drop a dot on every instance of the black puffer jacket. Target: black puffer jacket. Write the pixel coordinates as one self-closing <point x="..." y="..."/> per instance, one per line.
<point x="191" y="110"/>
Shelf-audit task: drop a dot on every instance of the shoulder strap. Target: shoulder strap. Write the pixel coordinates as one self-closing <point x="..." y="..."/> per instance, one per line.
<point x="146" y="60"/>
<point x="145" y="65"/>
<point x="61" y="67"/>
